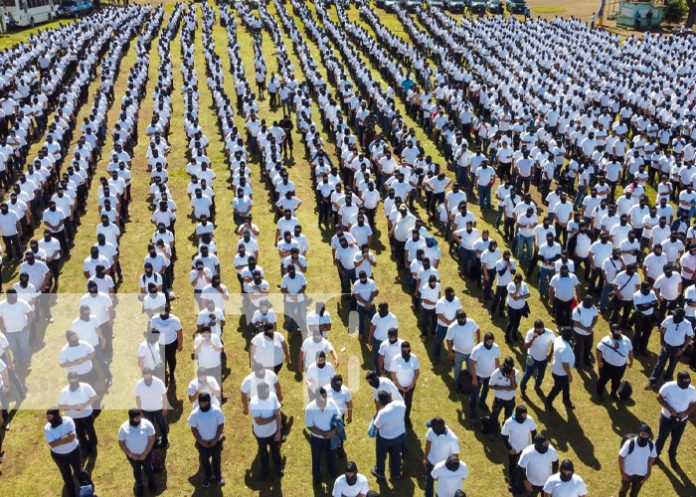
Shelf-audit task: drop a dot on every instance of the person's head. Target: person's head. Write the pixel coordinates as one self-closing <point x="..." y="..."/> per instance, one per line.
<point x="567" y="470"/>
<point x="508" y="366"/>
<point x="337" y="382"/>
<point x="567" y="333"/>
<point x="53" y="416"/>
<point x="135" y="416"/>
<point x="520" y="413"/>
<point x="393" y="335"/>
<point x="616" y="331"/>
<point x="541" y="444"/>
<point x="644" y="435"/>
<point x="321" y="360"/>
<point x="683" y="379"/>
<point x="73" y="381"/>
<point x="406" y="350"/>
<point x="384" y="397"/>
<point x="452" y="462"/>
<point x="204" y="401"/>
<point x="72" y="338"/>
<point x="372" y="378"/>
<point x="322" y="397"/>
<point x="263" y="390"/>
<point x="488" y="340"/>
<point x="351" y="473"/>
<point x="678" y="315"/>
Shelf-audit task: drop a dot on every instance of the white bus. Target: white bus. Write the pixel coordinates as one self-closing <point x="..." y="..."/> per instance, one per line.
<point x="25" y="13"/>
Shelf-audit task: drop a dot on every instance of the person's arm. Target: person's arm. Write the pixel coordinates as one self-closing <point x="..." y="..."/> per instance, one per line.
<point x="426" y="452"/>
<point x="474" y="377"/>
<point x="128" y="453"/>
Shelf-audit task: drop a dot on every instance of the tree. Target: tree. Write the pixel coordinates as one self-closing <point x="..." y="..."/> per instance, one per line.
<point x="675" y="11"/>
<point x="691" y="15"/>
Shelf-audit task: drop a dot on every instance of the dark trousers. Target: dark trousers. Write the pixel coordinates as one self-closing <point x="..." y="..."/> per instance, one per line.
<point x="210" y="458"/>
<point x="540" y="368"/>
<point x="393" y="447"/>
<point x="429" y="482"/>
<point x="142" y="466"/>
<point x="632" y="486"/>
<point x="560" y="384"/>
<point x="266" y="445"/>
<point x="641" y="336"/>
<point x="499" y="298"/>
<point x="583" y="348"/>
<point x="668" y="354"/>
<point x="70" y="466"/>
<point x="621" y="308"/>
<point x="499" y="405"/>
<point x="428" y="322"/>
<point x="609" y="373"/>
<point x="408" y="400"/>
<point x="12" y="247"/>
<point x="513" y="325"/>
<point x="84" y="429"/>
<point x="479" y="394"/>
<point x="562" y="312"/>
<point x="319" y="446"/>
<point x="670" y="427"/>
<point x="157" y="418"/>
<point x="170" y="360"/>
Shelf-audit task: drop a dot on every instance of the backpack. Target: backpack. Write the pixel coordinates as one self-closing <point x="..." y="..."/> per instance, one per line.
<point x="633" y="437"/>
<point x="489" y="426"/>
<point x="464" y="383"/>
<point x="625" y="390"/>
<point x="156" y="461"/>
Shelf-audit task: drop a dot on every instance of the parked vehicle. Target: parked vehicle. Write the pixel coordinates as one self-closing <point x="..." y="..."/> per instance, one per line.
<point x="75" y="8"/>
<point x="23" y="13"/>
<point x="515" y="6"/>
<point x="454" y="5"/>
<point x="411" y="4"/>
<point x="440" y="4"/>
<point x="494" y="6"/>
<point x="477" y="6"/>
<point x="388" y="4"/>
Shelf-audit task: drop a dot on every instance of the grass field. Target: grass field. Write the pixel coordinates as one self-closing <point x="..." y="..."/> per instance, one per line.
<point x="590" y="435"/>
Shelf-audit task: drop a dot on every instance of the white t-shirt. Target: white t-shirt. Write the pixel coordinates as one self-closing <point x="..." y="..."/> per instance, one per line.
<point x="342" y="489"/>
<point x="615" y="352"/>
<point x="499" y="379"/>
<point x="447" y="309"/>
<point x="555" y="487"/>
<point x="206" y="422"/>
<point x="636" y="463"/>
<point x="151" y="396"/>
<point x="562" y="353"/>
<point x="136" y="437"/>
<point x="311" y="350"/>
<point x="208" y="357"/>
<point x="441" y="446"/>
<point x="264" y="408"/>
<point x="405" y="370"/>
<point x="519" y="433"/>
<point x="584" y="316"/>
<point x="55" y="434"/>
<point x="383" y="325"/>
<point x="463" y="337"/>
<point x="485" y="359"/>
<point x="448" y="482"/>
<point x="83" y="393"/>
<point x="69" y="354"/>
<point x="14" y="316"/>
<point x="678" y="398"/>
<point x="540" y="348"/>
<point x="538" y="466"/>
<point x="390" y="420"/>
<point x="564" y="288"/>
<point x="268" y="351"/>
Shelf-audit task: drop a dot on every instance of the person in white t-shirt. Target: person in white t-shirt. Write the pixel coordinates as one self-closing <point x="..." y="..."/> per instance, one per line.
<point x="440" y="443"/>
<point x="350" y="483"/>
<point x="390" y="424"/>
<point x="636" y="459"/>
<point x="484" y="360"/>
<point x="151" y="399"/>
<point x="449" y="475"/>
<point x="136" y="438"/>
<point x="462" y="335"/>
<point x="265" y="412"/>
<point x="561" y="369"/>
<point x="61" y="437"/>
<point x="538" y="462"/>
<point x="518" y="431"/>
<point x="76" y="400"/>
<point x="565" y="483"/>
<point x="678" y="399"/>
<point x="405" y="370"/>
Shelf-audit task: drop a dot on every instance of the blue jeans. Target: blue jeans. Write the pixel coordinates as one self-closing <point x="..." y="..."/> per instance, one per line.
<point x="19" y="345"/>
<point x="667" y="353"/>
<point x="484" y="193"/>
<point x="540" y="368"/>
<point x="579" y="197"/>
<point x="393" y="447"/>
<point x="545" y="276"/>
<point x="604" y="297"/>
<point x="467" y="258"/>
<point x="462" y="174"/>
<point x="440" y="333"/>
<point x="525" y="248"/>
<point x="480" y="392"/>
<point x="460" y="359"/>
<point x="319" y="446"/>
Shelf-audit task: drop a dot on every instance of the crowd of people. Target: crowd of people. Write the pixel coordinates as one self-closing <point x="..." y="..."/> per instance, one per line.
<point x="553" y="121"/>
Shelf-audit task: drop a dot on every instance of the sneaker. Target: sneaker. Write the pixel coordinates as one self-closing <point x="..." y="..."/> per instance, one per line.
<point x="221" y="481"/>
<point x="206" y="483"/>
<point x="373" y="472"/>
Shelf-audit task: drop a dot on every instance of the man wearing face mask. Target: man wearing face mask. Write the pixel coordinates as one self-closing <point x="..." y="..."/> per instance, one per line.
<point x="565" y="483"/>
<point x="319" y="415"/>
<point x="318" y="374"/>
<point x="351" y="483"/>
<point x="645" y="302"/>
<point x="136" y="438"/>
<point x="503" y="382"/>
<point x="636" y="459"/>
<point x="269" y="347"/>
<point x="563" y="289"/>
<point x="625" y="285"/>
<point x="207" y="424"/>
<point x="390" y="423"/>
<point x="484" y="360"/>
<point x="16" y="317"/>
<point x="675" y="334"/>
<point x="614" y="353"/>
<point x="76" y="400"/>
<point x="678" y="400"/>
<point x="450" y="475"/>
<point x="584" y="318"/>
<point x="517" y="432"/>
<point x="440" y="443"/>
<point x="61" y="436"/>
<point x="405" y="370"/>
<point x="265" y="412"/>
<point x="151" y="399"/>
<point x="561" y="369"/>
<point x="668" y="290"/>
<point x="170" y="328"/>
<point x="537" y="463"/>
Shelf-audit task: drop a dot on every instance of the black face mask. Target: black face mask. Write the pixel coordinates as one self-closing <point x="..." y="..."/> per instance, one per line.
<point x="148" y="381"/>
<point x="642" y="442"/>
<point x="683" y="384"/>
<point x="566" y="475"/>
<point x="134" y="422"/>
<point x="488" y="346"/>
<point x="541" y="448"/>
<point x="406" y="354"/>
<point x="336" y="386"/>
<point x="205" y="408"/>
<point x="520" y="419"/>
<point x="452" y="465"/>
<point x="352" y="480"/>
<point x="74" y="386"/>
<point x="321" y="365"/>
